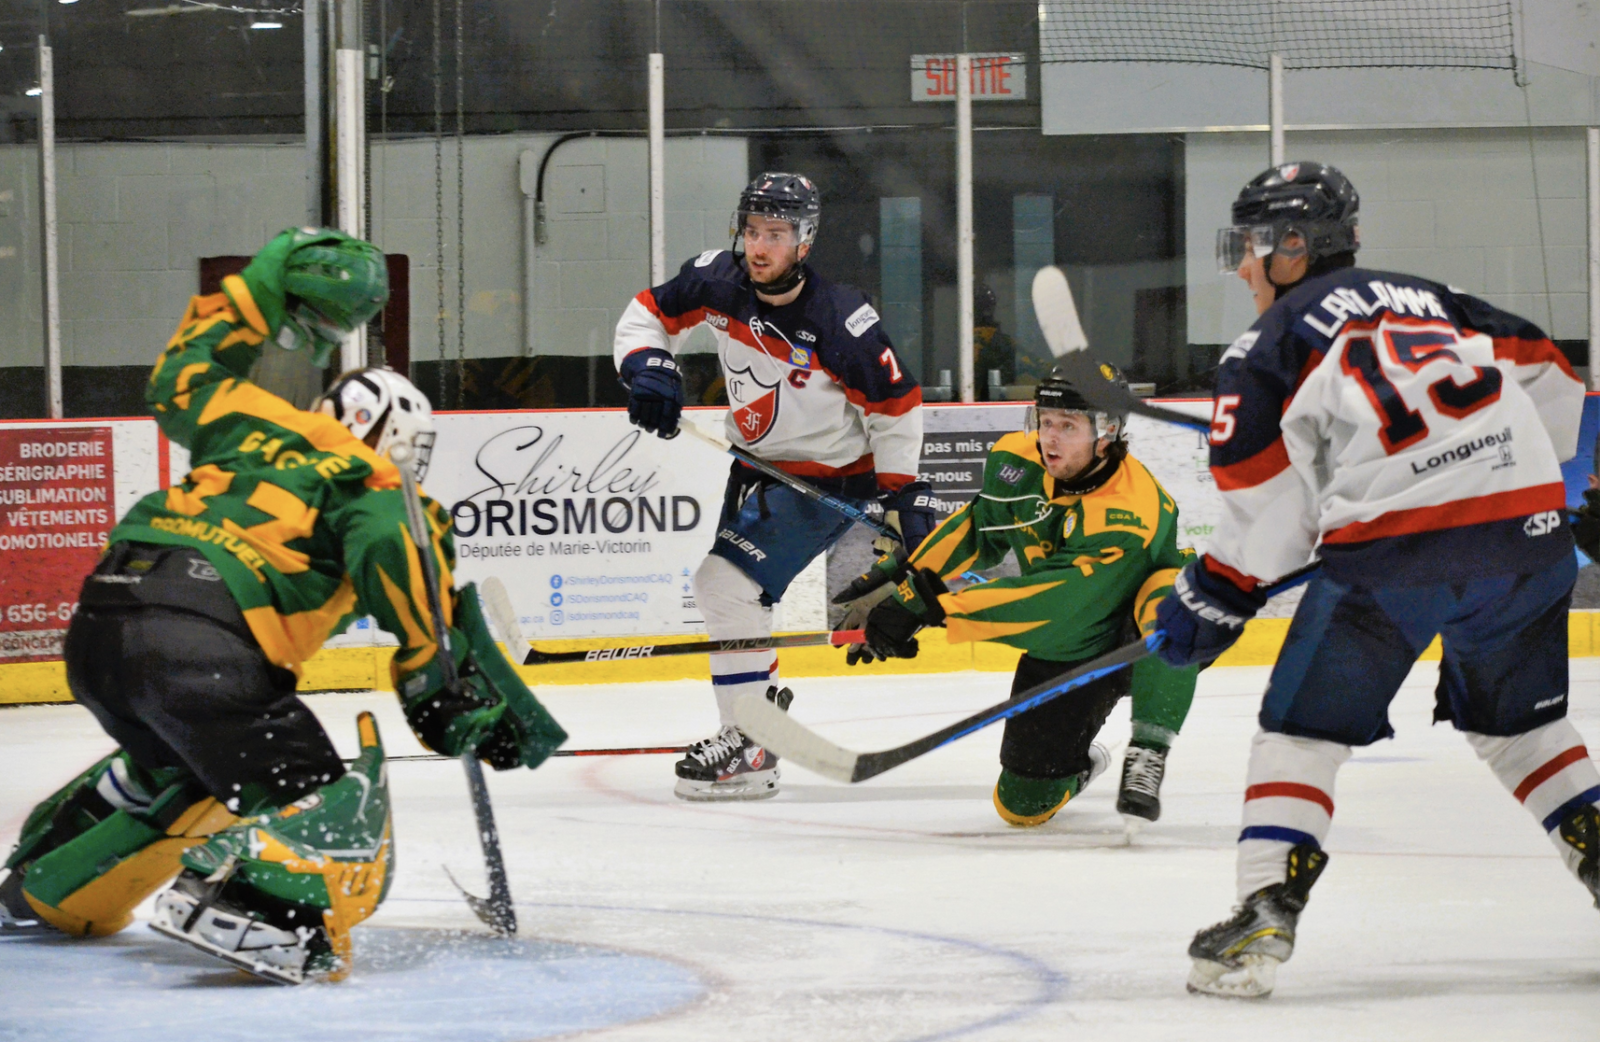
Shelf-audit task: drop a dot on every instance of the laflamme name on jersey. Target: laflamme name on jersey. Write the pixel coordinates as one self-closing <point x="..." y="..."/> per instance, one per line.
<point x="1346" y="303"/>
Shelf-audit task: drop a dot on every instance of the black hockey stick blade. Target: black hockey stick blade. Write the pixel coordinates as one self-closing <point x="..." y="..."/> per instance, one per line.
<point x="1058" y="321"/>
<point x="497" y="912"/>
<point x="788" y="738"/>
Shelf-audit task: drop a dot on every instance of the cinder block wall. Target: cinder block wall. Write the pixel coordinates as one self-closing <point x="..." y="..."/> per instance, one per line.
<point x="1464" y="207"/>
<point x="136" y="218"/>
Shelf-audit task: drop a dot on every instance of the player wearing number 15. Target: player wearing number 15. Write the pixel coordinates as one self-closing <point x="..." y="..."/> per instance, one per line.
<point x="815" y="388"/>
<point x="1412" y="434"/>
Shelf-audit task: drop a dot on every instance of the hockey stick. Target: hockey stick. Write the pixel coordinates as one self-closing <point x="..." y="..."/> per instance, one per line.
<point x="1058" y="320"/>
<point x="789" y="738"/>
<point x="816" y="495"/>
<point x="497" y="911"/>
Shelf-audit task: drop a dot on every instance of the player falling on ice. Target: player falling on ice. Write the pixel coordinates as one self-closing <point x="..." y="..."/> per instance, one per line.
<point x="192" y="630"/>
<point x="815" y="387"/>
<point x="1095" y="536"/>
<point x="1415" y="434"/>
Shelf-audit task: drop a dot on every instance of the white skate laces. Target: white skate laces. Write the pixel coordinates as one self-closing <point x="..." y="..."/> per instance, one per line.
<point x="719" y="748"/>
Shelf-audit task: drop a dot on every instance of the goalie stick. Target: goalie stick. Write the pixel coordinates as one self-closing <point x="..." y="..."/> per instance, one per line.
<point x="1058" y="320"/>
<point x="497" y="911"/>
<point x="786" y="737"/>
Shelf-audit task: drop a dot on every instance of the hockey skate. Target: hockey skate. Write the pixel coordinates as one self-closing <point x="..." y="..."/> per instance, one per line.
<point x="729" y="766"/>
<point x="191" y="912"/>
<point x="1580" y="831"/>
<point x="1239" y="958"/>
<point x="1139" y="799"/>
<point x="16" y="914"/>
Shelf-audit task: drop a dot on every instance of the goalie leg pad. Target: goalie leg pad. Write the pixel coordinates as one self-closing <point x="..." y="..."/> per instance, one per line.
<point x="278" y="894"/>
<point x="106" y="841"/>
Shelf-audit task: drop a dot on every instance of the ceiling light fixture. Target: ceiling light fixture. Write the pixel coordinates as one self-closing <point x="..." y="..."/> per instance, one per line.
<point x="266" y="25"/>
<point x="33" y="92"/>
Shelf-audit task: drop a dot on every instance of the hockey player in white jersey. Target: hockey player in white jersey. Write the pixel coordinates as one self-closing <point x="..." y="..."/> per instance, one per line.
<point x="1411" y="435"/>
<point x="815" y="387"/>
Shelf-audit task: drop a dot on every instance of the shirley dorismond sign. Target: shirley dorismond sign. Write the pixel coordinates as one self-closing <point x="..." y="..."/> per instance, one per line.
<point x="594" y="526"/>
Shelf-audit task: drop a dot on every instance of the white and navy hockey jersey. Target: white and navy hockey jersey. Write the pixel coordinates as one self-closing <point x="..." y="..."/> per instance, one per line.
<point x="813" y="386"/>
<point x="1414" y="431"/>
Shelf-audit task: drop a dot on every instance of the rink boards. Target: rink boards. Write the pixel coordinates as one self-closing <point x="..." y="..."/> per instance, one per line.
<point x="594" y="527"/>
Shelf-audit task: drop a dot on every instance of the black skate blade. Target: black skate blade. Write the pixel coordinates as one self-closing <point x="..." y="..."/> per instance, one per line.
<point x="483" y="909"/>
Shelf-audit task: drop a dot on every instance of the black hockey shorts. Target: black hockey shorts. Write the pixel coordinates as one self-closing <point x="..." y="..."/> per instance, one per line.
<point x="180" y="688"/>
<point x="1349" y="648"/>
<point x="1052" y="741"/>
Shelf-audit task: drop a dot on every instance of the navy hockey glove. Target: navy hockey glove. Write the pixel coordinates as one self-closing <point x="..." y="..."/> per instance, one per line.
<point x="1203" y="616"/>
<point x="655" y="390"/>
<point x="1586" y="525"/>
<point x="893" y="624"/>
<point x="909" y="511"/>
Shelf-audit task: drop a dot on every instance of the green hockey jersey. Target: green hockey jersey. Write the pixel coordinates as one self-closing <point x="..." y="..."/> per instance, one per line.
<point x="1087" y="561"/>
<point x="305" y="523"/>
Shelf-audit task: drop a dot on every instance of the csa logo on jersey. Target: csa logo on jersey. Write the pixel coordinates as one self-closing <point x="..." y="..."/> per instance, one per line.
<point x="755" y="404"/>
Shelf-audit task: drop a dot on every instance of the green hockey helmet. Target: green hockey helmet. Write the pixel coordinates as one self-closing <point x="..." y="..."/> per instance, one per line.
<point x="316" y="286"/>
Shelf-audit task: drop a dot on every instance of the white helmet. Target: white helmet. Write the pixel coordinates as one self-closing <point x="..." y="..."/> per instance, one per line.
<point x="386" y="411"/>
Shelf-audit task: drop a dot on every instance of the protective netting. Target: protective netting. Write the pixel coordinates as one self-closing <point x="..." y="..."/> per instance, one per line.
<point x="1308" y="34"/>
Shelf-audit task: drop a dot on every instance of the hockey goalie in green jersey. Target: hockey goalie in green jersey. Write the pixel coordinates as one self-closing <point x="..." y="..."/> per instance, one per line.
<point x="193" y="629"/>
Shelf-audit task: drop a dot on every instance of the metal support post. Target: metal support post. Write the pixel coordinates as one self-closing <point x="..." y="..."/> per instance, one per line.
<point x="1275" y="109"/>
<point x="50" y="230"/>
<point x="316" y="157"/>
<point x="350" y="148"/>
<point x="964" y="235"/>
<point x="1594" y="257"/>
<point x="658" y="173"/>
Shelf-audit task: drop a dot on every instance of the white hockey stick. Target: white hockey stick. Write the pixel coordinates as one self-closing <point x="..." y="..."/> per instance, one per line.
<point x="498" y="603"/>
<point x="1058" y="321"/>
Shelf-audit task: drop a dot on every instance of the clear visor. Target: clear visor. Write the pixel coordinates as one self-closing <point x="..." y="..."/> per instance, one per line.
<point x="1105" y="425"/>
<point x="1232" y="244"/>
<point x="751" y="228"/>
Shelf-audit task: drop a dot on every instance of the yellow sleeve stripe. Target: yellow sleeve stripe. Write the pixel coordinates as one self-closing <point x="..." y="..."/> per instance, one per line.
<point x="959" y="631"/>
<point x="238" y="291"/>
<point x="1149" y="598"/>
<point x="981" y="598"/>
<point x="935" y="553"/>
<point x="416" y="636"/>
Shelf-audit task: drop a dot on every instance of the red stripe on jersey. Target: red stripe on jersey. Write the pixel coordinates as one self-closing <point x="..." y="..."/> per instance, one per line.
<point x="1501" y="506"/>
<point x="1258" y="469"/>
<point x="888" y="407"/>
<point x="807" y="469"/>
<point x="1247" y="583"/>
<point x="1531" y="352"/>
<point x="674" y="324"/>
<point x="1549" y="770"/>
<point x="894" y="482"/>
<point x="1293" y="790"/>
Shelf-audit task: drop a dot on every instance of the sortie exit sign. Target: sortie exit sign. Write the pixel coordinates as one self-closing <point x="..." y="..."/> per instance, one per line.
<point x="996" y="76"/>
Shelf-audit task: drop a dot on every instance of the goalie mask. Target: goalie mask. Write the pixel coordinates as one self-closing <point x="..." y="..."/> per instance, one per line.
<point x="386" y="411"/>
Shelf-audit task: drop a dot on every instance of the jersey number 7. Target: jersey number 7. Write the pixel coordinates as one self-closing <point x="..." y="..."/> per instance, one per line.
<point x="1458" y="394"/>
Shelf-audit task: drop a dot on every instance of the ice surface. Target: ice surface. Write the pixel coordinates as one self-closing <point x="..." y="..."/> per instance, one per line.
<point x="898" y="909"/>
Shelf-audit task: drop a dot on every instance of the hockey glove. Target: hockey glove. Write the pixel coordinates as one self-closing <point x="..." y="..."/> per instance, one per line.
<point x="909" y="511"/>
<point x="1586" y="525"/>
<point x="1203" y="616"/>
<point x="655" y="390"/>
<point x="893" y="624"/>
<point x="886" y="570"/>
<point x="491" y="711"/>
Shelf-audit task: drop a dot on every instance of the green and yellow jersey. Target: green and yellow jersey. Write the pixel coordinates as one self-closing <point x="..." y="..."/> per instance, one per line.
<point x="1088" y="561"/>
<point x="305" y="523"/>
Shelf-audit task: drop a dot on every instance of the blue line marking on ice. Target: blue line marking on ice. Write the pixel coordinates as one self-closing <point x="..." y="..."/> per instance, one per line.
<point x="442" y="985"/>
<point x="1049" y="984"/>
